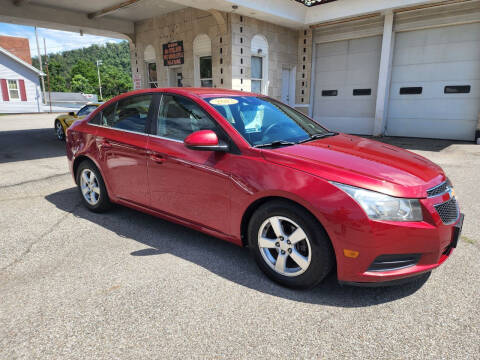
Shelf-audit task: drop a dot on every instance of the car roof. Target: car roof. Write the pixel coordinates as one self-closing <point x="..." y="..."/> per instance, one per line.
<point x="201" y="92"/>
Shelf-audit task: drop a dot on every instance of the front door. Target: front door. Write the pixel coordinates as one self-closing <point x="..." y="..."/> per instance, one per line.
<point x="182" y="181"/>
<point x="175" y="78"/>
<point x="122" y="143"/>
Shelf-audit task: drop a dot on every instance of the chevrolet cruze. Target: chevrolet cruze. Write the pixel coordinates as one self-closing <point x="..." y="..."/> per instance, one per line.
<point x="250" y="170"/>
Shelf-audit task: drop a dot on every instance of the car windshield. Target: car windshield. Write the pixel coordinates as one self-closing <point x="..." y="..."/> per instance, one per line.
<point x="264" y="122"/>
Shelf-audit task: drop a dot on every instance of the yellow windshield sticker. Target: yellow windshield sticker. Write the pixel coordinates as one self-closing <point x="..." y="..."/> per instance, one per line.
<point x="223" y="101"/>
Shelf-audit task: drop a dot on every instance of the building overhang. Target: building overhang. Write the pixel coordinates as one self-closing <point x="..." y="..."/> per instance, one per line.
<point x="117" y="18"/>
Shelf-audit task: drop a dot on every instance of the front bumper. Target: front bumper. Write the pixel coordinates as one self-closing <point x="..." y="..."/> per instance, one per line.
<point x="425" y="245"/>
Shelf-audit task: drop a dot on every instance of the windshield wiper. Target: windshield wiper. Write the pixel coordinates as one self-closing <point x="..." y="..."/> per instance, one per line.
<point x="275" y="144"/>
<point x="318" y="136"/>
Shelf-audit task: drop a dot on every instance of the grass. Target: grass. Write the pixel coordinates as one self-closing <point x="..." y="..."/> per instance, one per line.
<point x="467" y="239"/>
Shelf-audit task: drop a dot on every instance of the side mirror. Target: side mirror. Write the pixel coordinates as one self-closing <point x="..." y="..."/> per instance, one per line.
<point x="71" y="113"/>
<point x="205" y="140"/>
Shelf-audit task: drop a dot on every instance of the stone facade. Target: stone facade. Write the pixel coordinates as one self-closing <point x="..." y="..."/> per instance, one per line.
<point x="183" y="25"/>
<point x="282" y="52"/>
<point x="231" y="36"/>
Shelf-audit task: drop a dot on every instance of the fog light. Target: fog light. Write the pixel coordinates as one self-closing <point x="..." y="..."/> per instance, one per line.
<point x="350" y="253"/>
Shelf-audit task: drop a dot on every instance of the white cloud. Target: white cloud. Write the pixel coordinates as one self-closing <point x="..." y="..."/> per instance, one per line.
<point x="56" y="40"/>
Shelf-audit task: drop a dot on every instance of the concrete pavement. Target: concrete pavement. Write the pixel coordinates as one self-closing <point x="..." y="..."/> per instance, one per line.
<point x="125" y="285"/>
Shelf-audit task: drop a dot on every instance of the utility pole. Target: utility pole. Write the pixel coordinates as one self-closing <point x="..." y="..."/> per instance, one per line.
<point x="44" y="100"/>
<point x="48" y="75"/>
<point x="99" y="62"/>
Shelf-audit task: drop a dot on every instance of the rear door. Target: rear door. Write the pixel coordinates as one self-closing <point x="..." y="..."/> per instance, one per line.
<point x="122" y="142"/>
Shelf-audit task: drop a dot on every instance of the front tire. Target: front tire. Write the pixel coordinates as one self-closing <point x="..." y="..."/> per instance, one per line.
<point x="92" y="187"/>
<point x="289" y="245"/>
<point x="59" y="132"/>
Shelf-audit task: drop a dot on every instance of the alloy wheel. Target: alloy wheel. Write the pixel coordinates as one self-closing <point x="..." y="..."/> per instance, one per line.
<point x="284" y="246"/>
<point x="59" y="130"/>
<point x="90" y="187"/>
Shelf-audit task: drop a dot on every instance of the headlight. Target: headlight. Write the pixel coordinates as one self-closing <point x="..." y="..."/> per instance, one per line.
<point x="383" y="207"/>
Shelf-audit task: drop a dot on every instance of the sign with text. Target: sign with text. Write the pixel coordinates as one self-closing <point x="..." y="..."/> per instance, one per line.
<point x="137" y="82"/>
<point x="173" y="53"/>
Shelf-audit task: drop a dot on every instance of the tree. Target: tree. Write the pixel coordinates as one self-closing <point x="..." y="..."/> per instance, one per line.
<point x="114" y="81"/>
<point x="86" y="69"/>
<point x="65" y="67"/>
<point x="81" y="84"/>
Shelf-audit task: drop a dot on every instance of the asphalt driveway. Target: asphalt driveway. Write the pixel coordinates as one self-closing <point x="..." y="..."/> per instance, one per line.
<point x="74" y="284"/>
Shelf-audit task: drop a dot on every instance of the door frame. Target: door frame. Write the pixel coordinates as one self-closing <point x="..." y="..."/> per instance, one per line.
<point x="291" y="83"/>
<point x="170" y="71"/>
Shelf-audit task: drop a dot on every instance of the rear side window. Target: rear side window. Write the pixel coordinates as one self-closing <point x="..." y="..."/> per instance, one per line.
<point x="178" y="117"/>
<point x="129" y="114"/>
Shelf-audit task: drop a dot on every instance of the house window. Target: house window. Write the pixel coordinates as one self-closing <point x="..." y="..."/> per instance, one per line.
<point x="202" y="52"/>
<point x="257" y="74"/>
<point x="152" y="75"/>
<point x="206" y="71"/>
<point x="150" y="58"/>
<point x="259" y="65"/>
<point x="13" y="90"/>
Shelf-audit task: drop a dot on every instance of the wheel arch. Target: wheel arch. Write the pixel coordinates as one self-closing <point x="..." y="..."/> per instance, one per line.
<point x="247" y="215"/>
<point x="78" y="160"/>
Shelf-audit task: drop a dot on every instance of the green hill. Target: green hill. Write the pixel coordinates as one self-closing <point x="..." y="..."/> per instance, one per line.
<point x="76" y="70"/>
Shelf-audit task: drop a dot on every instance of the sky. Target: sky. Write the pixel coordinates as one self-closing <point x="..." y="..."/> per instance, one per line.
<point x="56" y="40"/>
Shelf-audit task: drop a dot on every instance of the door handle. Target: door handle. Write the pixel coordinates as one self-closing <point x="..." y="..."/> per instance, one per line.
<point x="159" y="159"/>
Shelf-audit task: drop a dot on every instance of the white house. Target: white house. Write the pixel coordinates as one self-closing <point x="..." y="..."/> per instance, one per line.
<point x="20" y="90"/>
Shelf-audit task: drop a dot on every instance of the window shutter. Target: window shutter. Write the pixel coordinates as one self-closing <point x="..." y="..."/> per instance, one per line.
<point x="23" y="93"/>
<point x="3" y="85"/>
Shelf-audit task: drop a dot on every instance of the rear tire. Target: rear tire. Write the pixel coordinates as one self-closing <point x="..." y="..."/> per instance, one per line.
<point x="59" y="132"/>
<point x="289" y="245"/>
<point x="92" y="187"/>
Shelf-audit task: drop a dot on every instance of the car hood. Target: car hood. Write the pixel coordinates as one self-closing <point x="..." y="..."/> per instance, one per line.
<point x="363" y="163"/>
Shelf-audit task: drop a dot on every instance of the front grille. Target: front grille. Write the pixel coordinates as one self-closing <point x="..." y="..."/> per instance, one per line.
<point x="448" y="211"/>
<point x="394" y="262"/>
<point x="437" y="190"/>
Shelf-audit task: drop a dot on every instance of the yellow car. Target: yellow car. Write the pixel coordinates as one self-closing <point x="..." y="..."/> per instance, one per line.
<point x="62" y="122"/>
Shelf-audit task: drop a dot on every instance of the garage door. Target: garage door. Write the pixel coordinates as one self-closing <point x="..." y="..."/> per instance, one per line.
<point x="435" y="90"/>
<point x="346" y="77"/>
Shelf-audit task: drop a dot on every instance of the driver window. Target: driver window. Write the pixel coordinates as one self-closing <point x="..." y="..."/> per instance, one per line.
<point x="178" y="117"/>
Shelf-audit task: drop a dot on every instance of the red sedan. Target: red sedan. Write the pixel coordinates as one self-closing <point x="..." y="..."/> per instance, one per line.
<point x="250" y="170"/>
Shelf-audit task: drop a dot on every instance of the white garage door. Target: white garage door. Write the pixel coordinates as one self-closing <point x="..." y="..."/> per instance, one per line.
<point x="435" y="91"/>
<point x="346" y="77"/>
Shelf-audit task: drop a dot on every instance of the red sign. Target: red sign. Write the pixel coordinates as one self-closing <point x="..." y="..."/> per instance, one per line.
<point x="173" y="53"/>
